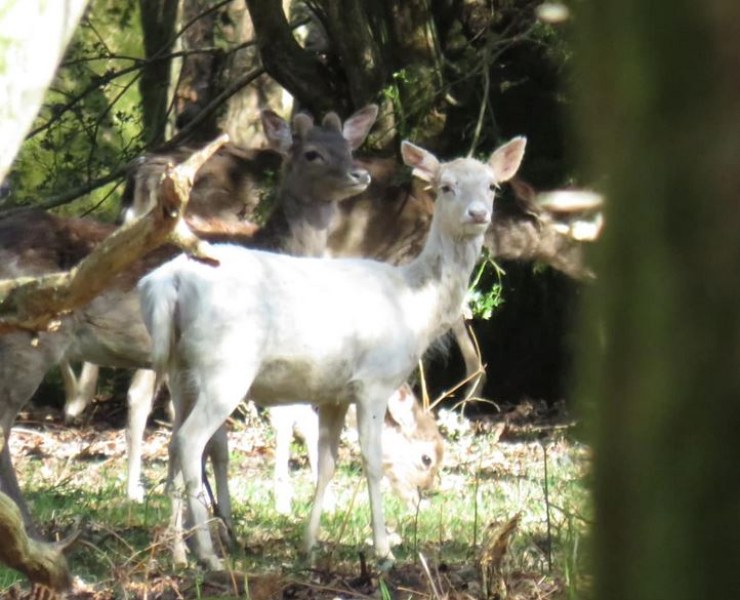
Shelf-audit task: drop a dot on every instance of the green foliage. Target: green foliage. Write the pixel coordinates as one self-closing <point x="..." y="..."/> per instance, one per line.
<point x="89" y="123"/>
<point x="485" y="293"/>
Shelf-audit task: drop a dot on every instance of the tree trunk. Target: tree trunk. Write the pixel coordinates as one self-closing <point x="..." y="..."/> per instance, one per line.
<point x="242" y="118"/>
<point x="25" y="71"/>
<point x="298" y="71"/>
<point x="199" y="75"/>
<point x="158" y="20"/>
<point x="660" y="107"/>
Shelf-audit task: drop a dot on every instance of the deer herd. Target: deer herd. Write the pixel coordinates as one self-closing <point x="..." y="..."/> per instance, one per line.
<point x="326" y="306"/>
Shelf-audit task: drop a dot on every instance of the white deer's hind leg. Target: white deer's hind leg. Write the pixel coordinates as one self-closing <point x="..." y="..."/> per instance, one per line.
<point x="220" y="388"/>
<point x="140" y="399"/>
<point x="175" y="488"/>
<point x="331" y="420"/>
<point x="306" y="421"/>
<point x="218" y="451"/>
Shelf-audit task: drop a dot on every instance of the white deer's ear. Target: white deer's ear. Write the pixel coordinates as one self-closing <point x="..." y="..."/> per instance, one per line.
<point x="425" y="165"/>
<point x="506" y="159"/>
<point x="277" y="132"/>
<point x="358" y="125"/>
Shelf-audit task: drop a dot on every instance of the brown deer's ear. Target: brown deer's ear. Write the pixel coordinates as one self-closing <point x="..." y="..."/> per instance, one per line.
<point x="506" y="159"/>
<point x="302" y="123"/>
<point x="332" y="121"/>
<point x="425" y="165"/>
<point x="359" y="124"/>
<point x="277" y="132"/>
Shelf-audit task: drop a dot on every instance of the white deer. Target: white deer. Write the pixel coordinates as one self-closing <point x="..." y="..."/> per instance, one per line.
<point x="330" y="332"/>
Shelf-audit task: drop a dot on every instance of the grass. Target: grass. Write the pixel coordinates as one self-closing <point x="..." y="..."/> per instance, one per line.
<point x="495" y="477"/>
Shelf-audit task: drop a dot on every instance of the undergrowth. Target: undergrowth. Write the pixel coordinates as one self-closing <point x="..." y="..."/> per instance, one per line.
<point x="507" y="520"/>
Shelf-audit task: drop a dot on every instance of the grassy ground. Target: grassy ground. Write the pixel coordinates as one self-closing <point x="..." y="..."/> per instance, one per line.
<point x="508" y="519"/>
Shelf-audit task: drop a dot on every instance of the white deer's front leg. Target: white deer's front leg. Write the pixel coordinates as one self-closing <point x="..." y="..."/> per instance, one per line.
<point x="370" y="415"/>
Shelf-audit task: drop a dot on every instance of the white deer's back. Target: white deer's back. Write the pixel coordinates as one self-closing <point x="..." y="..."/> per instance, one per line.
<point x="326" y="324"/>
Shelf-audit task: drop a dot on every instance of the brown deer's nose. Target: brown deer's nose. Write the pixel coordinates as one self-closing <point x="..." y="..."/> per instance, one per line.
<point x="361" y="176"/>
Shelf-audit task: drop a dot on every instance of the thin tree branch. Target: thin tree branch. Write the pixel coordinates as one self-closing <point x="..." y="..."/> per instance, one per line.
<point x="207" y="110"/>
<point x="71" y="195"/>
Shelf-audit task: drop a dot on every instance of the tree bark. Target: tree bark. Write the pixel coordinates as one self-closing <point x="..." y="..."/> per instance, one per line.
<point x="241" y="120"/>
<point x="198" y="82"/>
<point x="298" y="71"/>
<point x="660" y="111"/>
<point x="158" y="21"/>
<point x="357" y="47"/>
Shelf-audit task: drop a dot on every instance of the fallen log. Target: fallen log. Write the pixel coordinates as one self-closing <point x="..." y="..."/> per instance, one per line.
<point x="36" y="303"/>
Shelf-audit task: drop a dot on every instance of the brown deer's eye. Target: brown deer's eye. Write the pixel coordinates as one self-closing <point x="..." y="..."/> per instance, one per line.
<point x="312" y="155"/>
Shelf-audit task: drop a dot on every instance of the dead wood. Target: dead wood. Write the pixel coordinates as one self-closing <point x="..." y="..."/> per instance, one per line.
<point x="36" y="303"/>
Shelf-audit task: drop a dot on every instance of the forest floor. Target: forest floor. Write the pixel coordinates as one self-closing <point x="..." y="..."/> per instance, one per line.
<point x="508" y="519"/>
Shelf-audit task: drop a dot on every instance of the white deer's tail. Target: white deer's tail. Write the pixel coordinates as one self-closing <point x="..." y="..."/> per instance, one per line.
<point x="158" y="293"/>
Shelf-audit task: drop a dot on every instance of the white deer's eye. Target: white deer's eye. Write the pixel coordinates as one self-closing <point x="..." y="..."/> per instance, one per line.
<point x="446" y="188"/>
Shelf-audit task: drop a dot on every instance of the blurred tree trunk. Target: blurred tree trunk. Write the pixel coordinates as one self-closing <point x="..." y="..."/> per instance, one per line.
<point x="26" y="72"/>
<point x="158" y="23"/>
<point x="660" y="107"/>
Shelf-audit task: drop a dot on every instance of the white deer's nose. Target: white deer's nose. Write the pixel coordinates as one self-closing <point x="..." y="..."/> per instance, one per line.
<point x="479" y="214"/>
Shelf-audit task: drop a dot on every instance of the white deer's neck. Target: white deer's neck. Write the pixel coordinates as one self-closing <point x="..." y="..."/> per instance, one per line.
<point x="437" y="281"/>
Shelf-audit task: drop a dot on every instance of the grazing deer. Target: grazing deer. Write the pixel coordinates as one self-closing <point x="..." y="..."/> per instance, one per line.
<point x="328" y="332"/>
<point x="412" y="447"/>
<point x="318" y="173"/>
